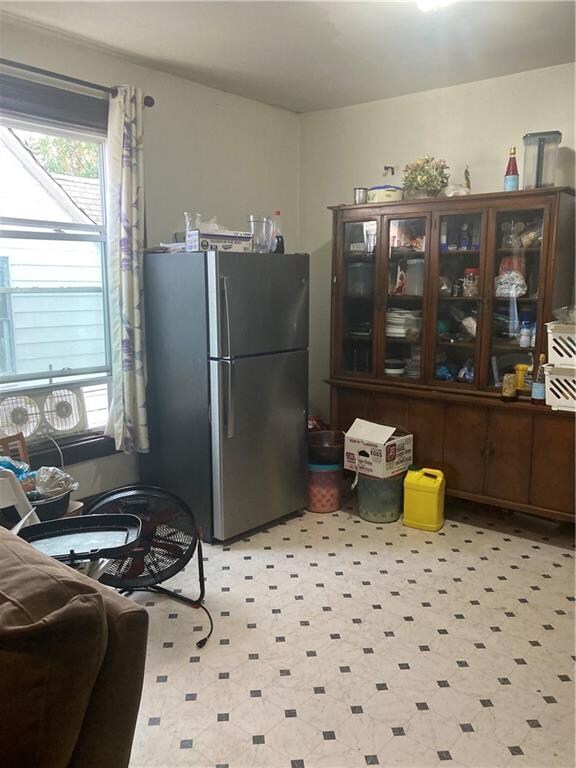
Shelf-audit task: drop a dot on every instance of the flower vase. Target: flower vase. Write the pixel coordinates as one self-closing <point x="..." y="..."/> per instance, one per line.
<point x="418" y="193"/>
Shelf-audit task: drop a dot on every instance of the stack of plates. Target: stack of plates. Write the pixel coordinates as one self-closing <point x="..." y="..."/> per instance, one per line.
<point x="394" y="367"/>
<point x="403" y="323"/>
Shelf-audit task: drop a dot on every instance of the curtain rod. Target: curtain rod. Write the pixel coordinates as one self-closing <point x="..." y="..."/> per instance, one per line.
<point x="148" y="100"/>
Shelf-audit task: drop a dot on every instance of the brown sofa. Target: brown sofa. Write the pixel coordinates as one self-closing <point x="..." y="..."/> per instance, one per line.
<point x="72" y="656"/>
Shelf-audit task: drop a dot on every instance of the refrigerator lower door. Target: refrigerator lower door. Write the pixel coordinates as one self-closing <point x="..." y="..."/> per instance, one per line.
<point x="258" y="413"/>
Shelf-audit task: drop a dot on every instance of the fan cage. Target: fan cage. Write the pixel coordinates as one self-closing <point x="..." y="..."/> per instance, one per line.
<point x="167" y="543"/>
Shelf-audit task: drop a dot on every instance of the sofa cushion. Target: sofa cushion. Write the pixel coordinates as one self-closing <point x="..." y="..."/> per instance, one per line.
<point x="53" y="637"/>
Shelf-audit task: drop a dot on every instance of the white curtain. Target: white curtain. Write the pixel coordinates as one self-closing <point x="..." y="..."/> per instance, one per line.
<point x="127" y="422"/>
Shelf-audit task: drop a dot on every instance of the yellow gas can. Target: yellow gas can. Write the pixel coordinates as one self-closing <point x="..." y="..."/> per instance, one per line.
<point x="424" y="499"/>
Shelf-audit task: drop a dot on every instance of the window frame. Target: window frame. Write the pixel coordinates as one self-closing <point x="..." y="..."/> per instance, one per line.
<point x="41" y="230"/>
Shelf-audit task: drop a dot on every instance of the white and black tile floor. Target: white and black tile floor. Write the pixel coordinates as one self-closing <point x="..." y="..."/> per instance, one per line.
<point x="339" y="643"/>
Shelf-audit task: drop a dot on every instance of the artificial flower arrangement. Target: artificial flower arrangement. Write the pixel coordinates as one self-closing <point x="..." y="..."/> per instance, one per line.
<point x="426" y="176"/>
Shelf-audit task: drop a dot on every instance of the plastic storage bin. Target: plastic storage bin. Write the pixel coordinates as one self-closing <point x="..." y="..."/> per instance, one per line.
<point x="360" y="276"/>
<point x="424" y="499"/>
<point x="560" y="385"/>
<point x="540" y="158"/>
<point x="414" y="285"/>
<point x="380" y="499"/>
<point x="561" y="343"/>
<point x="324" y="484"/>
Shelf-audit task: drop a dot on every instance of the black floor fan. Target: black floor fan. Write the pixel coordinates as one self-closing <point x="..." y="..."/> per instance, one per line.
<point x="167" y="543"/>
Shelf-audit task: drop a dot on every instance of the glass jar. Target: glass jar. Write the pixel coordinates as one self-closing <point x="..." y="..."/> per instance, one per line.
<point x="471" y="280"/>
<point x="360" y="277"/>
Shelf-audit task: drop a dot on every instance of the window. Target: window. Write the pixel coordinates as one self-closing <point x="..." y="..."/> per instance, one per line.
<point x="54" y="336"/>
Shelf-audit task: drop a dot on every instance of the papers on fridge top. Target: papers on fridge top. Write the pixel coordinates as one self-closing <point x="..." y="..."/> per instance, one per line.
<point x="371" y="449"/>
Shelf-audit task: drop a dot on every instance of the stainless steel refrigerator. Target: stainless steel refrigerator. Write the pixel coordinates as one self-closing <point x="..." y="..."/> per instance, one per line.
<point x="227" y="340"/>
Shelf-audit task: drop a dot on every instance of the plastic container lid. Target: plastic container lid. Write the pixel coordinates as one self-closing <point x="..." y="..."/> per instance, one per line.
<point x="324" y="467"/>
<point x="471" y="271"/>
<point x="532" y="138"/>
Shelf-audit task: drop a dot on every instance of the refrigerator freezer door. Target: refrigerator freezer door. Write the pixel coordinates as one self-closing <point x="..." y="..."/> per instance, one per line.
<point x="258" y="303"/>
<point x="258" y="439"/>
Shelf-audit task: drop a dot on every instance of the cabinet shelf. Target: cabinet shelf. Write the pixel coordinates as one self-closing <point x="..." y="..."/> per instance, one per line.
<point x="359" y="258"/>
<point x="404" y="297"/>
<point x="510" y="346"/>
<point x="521" y="300"/>
<point x="401" y="253"/>
<point x="352" y="337"/>
<point x="457" y="344"/>
<point x="519" y="251"/>
<point x="460" y="252"/>
<point x="459" y="298"/>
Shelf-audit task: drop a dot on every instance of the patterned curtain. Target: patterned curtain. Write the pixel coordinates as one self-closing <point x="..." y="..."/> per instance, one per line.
<point x="127" y="421"/>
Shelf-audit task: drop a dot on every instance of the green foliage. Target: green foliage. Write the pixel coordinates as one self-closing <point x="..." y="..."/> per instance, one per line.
<point x="426" y="173"/>
<point x="61" y="155"/>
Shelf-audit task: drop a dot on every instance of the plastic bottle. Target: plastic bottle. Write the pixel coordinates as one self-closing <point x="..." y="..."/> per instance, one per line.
<point x="278" y="241"/>
<point x="525" y="334"/>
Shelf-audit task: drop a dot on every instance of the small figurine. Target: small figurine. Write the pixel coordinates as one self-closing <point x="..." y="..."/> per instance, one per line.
<point x="467" y="178"/>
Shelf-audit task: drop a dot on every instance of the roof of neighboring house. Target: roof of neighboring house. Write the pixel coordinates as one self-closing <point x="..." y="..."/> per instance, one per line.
<point x="79" y="196"/>
<point x="84" y="192"/>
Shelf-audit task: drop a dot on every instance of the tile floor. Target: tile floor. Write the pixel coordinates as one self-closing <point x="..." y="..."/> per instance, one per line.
<point x="339" y="643"/>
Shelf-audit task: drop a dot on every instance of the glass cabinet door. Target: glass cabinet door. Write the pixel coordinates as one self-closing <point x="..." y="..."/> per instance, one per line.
<point x="405" y="298"/>
<point x="458" y="299"/>
<point x="358" y="297"/>
<point x="514" y="295"/>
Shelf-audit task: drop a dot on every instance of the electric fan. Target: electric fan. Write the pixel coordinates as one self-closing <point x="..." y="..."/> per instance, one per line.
<point x="167" y="542"/>
<point x="19" y="413"/>
<point x="64" y="410"/>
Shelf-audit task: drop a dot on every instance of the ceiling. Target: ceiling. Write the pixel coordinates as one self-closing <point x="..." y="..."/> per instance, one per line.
<point x="306" y="56"/>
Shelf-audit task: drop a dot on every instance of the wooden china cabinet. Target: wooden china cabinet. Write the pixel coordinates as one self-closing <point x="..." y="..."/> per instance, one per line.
<point x="433" y="301"/>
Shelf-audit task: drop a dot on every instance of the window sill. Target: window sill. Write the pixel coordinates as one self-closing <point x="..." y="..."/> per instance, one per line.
<point x="86" y="446"/>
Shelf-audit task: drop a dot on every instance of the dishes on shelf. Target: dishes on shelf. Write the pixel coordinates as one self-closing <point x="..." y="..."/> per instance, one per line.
<point x="403" y="323"/>
<point x="394" y="367"/>
<point x="361" y="330"/>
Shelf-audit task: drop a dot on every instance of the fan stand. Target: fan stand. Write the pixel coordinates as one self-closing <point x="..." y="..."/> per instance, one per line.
<point x="193" y="603"/>
<point x="135" y="493"/>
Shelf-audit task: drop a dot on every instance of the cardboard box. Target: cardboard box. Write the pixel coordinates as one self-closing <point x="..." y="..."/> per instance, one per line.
<point x="222" y="240"/>
<point x="373" y="450"/>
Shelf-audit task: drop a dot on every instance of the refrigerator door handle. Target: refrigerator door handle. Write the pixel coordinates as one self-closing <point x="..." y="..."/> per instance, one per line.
<point x="226" y="319"/>
<point x="229" y="409"/>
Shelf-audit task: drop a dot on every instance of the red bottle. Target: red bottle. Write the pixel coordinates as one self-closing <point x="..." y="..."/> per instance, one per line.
<point x="511" y="177"/>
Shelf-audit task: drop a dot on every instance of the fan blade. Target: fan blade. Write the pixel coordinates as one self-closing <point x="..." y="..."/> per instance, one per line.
<point x="137" y="565"/>
<point x="172" y="549"/>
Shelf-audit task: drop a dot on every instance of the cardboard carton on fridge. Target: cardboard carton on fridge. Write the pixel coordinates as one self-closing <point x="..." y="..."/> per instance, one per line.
<point x="374" y="450"/>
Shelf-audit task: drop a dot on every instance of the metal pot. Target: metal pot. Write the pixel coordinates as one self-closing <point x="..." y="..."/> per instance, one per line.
<point x="326" y="447"/>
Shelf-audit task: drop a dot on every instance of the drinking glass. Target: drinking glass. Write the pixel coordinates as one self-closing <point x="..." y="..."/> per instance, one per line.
<point x="262" y="230"/>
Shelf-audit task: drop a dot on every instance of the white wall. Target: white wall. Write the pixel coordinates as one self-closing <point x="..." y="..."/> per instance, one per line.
<point x="473" y="124"/>
<point x="223" y="154"/>
<point x="204" y="150"/>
